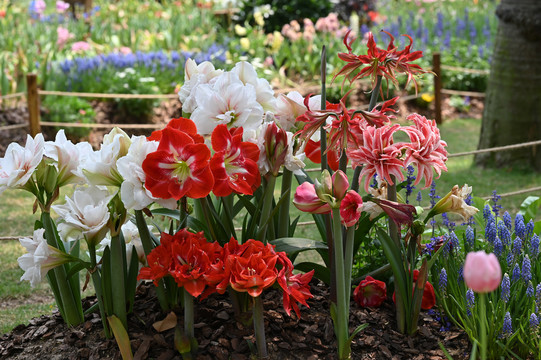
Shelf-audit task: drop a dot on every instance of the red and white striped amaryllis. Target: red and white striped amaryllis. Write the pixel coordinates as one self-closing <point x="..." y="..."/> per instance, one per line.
<point x="307" y="200"/>
<point x="180" y="167"/>
<point x="351" y="208"/>
<point x="234" y="163"/>
<point x="426" y="150"/>
<point x="379" y="154"/>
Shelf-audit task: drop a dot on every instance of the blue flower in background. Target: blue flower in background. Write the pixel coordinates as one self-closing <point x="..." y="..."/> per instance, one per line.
<point x="507" y="220"/>
<point x="507" y="329"/>
<point x="534" y="246"/>
<point x="520" y="228"/>
<point x="470" y="301"/>
<point x="526" y="269"/>
<point x="470" y="237"/>
<point x="506" y="288"/>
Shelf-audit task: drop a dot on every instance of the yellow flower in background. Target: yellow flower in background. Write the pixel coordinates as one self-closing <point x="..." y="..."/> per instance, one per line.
<point x="239" y="30"/>
<point x="245" y="43"/>
<point x="427" y="97"/>
<point x="258" y="17"/>
<point x="277" y="40"/>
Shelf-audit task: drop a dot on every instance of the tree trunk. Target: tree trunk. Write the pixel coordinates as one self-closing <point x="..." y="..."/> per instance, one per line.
<point x="512" y="112"/>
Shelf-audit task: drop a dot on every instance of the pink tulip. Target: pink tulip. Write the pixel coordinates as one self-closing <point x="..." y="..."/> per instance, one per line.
<point x="351" y="208"/>
<point x="306" y="200"/>
<point x="482" y="272"/>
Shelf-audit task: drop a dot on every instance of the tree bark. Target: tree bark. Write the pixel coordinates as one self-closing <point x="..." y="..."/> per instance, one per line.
<point x="512" y="112"/>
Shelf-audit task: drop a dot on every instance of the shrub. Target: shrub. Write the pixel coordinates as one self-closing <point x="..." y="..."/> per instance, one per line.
<point x="68" y="109"/>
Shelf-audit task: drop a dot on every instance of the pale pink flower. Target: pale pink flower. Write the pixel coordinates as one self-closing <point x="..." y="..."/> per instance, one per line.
<point x="19" y="163"/>
<point x="427" y="150"/>
<point x="63" y="35"/>
<point x="482" y="272"/>
<point x="378" y="155"/>
<point x="80" y="46"/>
<point x="124" y="50"/>
<point x="61" y="6"/>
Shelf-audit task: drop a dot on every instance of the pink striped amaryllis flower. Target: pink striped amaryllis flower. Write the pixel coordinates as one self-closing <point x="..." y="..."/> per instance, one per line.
<point x="380" y="62"/>
<point x="234" y="163"/>
<point x="351" y="208"/>
<point x="307" y="200"/>
<point x="426" y="150"/>
<point x="379" y="154"/>
<point x="179" y="167"/>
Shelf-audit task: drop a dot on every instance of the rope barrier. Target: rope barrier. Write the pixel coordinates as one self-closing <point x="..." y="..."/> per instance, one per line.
<point x="518" y="192"/>
<point x="108" y="96"/>
<point x="104" y="126"/>
<point x="465" y="70"/>
<point x="11" y="127"/>
<point x="462" y="93"/>
<point x="497" y="148"/>
<point x="12" y="96"/>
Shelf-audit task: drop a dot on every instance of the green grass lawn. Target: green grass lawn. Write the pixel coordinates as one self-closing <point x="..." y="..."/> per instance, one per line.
<point x="19" y="302"/>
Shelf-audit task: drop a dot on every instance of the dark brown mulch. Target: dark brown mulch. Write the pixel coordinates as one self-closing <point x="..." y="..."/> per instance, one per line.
<point x="220" y="336"/>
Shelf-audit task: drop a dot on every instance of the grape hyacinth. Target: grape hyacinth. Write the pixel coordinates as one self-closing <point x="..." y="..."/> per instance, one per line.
<point x="517" y="246"/>
<point x="498" y="247"/>
<point x="504" y="233"/>
<point x="526" y="269"/>
<point x="419" y="197"/>
<point x="409" y="182"/>
<point x="506" y="288"/>
<point x="461" y="273"/>
<point x="520" y="228"/>
<point x="529" y="230"/>
<point x="443" y="280"/>
<point x="534" y="246"/>
<point x="490" y="232"/>
<point x="507" y="220"/>
<point x="538" y="297"/>
<point x="432" y="194"/>
<point x="470" y="237"/>
<point x="534" y="323"/>
<point x="529" y="289"/>
<point x="516" y="273"/>
<point x="507" y="329"/>
<point x="510" y="259"/>
<point x="487" y="214"/>
<point x="470" y="301"/>
<point x="495" y="206"/>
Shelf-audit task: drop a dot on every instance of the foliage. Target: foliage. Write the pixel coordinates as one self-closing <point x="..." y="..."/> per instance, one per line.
<point x="69" y="109"/>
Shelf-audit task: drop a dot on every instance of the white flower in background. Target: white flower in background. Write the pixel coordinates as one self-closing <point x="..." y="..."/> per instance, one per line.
<point x="264" y="93"/>
<point x="133" y="193"/>
<point x="100" y="166"/>
<point x="228" y="101"/>
<point x="291" y="106"/>
<point x="39" y="259"/>
<point x="85" y="213"/>
<point x="295" y="157"/>
<point x="132" y="240"/>
<point x="195" y="75"/>
<point x="67" y="157"/>
<point x="19" y="163"/>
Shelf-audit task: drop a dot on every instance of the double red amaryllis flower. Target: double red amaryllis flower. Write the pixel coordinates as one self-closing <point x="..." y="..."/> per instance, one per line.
<point x="370" y="292"/>
<point x="203" y="267"/>
<point x="380" y="62"/>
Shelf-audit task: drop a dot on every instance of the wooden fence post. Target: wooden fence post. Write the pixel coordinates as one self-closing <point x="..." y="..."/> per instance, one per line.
<point x="436" y="68"/>
<point x="33" y="103"/>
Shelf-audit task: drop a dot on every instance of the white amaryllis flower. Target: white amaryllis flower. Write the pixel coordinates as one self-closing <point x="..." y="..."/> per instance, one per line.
<point x="195" y="75"/>
<point x="85" y="213"/>
<point x="133" y="193"/>
<point x="132" y="240"/>
<point x="40" y="258"/>
<point x="264" y="93"/>
<point x="454" y="202"/>
<point x="100" y="166"/>
<point x="67" y="157"/>
<point x="291" y="106"/>
<point x="295" y="157"/>
<point x="228" y="101"/>
<point x="19" y="163"/>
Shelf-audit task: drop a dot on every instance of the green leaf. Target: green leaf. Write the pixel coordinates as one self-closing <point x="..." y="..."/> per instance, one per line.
<point x="75" y="268"/>
<point x="293" y="245"/>
<point x="121" y="337"/>
<point x="106" y="280"/>
<point x="530" y="207"/>
<point x="320" y="272"/>
<point x="395" y="260"/>
<point x="173" y="214"/>
<point x="356" y="331"/>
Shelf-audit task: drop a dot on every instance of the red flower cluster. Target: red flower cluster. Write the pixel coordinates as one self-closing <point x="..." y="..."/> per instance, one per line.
<point x="182" y="165"/>
<point x="202" y="267"/>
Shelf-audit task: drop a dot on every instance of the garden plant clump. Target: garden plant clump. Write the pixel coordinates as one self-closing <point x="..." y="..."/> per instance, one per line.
<point x="194" y="223"/>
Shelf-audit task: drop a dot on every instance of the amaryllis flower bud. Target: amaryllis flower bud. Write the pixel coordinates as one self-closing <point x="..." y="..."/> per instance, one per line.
<point x="482" y="272"/>
<point x="306" y="200"/>
<point x="399" y="213"/>
<point x="370" y="292"/>
<point x="454" y="202"/>
<point x="351" y="208"/>
<point x="276" y="144"/>
<point x="340" y="185"/>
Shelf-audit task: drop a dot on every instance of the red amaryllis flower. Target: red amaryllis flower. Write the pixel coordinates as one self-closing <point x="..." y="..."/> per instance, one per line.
<point x="159" y="263"/>
<point x="427" y="150"/>
<point x="182" y="124"/>
<point x="351" y="208"/>
<point x="379" y="117"/>
<point x="253" y="274"/>
<point x="179" y="167"/>
<point x="379" y="62"/>
<point x="429" y="297"/>
<point x="312" y="150"/>
<point x="298" y="288"/>
<point x="370" y="292"/>
<point x="378" y="154"/>
<point x="234" y="163"/>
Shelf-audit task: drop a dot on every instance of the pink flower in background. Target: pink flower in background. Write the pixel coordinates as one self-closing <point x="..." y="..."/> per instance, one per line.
<point x="62" y="6"/>
<point x="63" y="35"/>
<point x="482" y="272"/>
<point x="81" y="46"/>
<point x="124" y="50"/>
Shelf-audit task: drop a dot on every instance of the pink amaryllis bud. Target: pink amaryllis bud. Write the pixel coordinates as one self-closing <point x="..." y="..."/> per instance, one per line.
<point x="276" y="145"/>
<point x="351" y="208"/>
<point x="306" y="200"/>
<point x="340" y="185"/>
<point x="370" y="292"/>
<point x="482" y="272"/>
<point x="399" y="213"/>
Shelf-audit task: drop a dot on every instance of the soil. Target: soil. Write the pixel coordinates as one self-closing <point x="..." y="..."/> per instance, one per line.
<point x="221" y="336"/>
